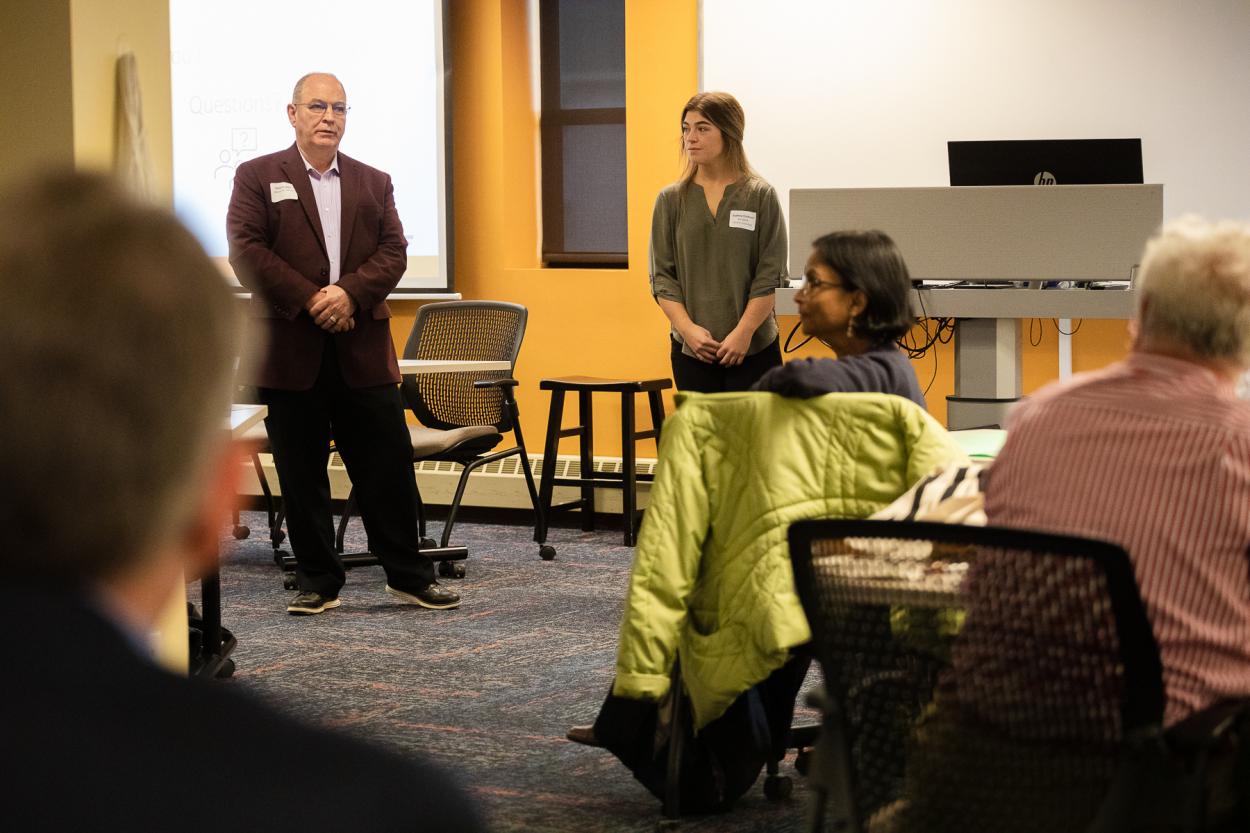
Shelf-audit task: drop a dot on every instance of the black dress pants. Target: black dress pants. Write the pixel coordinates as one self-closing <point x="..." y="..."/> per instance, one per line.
<point x="369" y="431"/>
<point x="697" y="375"/>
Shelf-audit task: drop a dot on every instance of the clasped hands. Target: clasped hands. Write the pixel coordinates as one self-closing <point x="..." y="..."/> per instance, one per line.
<point x="729" y="352"/>
<point x="331" y="309"/>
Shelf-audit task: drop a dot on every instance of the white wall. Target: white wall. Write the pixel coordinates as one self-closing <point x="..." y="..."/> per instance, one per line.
<point x="866" y="94"/>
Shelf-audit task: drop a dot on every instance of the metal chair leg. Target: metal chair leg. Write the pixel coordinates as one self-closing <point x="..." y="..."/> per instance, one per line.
<point x="349" y="509"/>
<point x="420" y="511"/>
<point x="460" y="487"/>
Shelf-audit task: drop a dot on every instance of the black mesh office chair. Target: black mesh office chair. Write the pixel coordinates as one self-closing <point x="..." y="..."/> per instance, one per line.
<point x="464" y="415"/>
<point x="984" y="679"/>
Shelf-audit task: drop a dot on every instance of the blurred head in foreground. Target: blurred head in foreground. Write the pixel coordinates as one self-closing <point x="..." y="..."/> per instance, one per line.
<point x="118" y="339"/>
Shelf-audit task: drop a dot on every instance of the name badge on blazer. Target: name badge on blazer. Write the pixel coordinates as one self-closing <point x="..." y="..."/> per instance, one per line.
<point x="742" y="219"/>
<point x="279" y="191"/>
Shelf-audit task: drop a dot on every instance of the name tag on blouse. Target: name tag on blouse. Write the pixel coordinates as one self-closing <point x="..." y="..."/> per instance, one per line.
<point x="742" y="219"/>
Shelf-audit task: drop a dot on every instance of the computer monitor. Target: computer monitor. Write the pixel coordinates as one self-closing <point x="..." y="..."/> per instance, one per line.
<point x="1046" y="162"/>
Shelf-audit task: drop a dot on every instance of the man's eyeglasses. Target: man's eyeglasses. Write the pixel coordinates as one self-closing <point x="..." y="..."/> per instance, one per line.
<point x="319" y="108"/>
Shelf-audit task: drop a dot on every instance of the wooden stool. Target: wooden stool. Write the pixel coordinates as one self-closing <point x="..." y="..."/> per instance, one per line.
<point x="590" y="480"/>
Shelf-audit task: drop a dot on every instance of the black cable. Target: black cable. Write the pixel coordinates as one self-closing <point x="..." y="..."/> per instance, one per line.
<point x="786" y="348"/>
<point x="1041" y="331"/>
<point x="932" y="376"/>
<point x="945" y="330"/>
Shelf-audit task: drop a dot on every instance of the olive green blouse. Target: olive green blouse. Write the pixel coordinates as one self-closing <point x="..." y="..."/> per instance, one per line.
<point x="714" y="265"/>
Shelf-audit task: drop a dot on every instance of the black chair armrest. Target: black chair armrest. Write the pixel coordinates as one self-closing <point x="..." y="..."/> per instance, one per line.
<point x="495" y="383"/>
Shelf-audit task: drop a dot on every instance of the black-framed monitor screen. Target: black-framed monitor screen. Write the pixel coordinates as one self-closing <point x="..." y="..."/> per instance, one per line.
<point x="1046" y="162"/>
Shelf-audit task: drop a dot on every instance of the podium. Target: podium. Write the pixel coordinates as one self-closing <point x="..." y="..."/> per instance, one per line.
<point x="1002" y="245"/>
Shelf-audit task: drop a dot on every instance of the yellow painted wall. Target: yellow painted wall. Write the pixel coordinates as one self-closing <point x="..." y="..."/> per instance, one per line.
<point x="598" y="322"/>
<point x="603" y="322"/>
<point x="35" y="66"/>
<point x="101" y="31"/>
<point x="583" y="321"/>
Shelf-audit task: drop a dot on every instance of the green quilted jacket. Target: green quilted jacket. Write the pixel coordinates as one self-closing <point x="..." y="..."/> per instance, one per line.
<point x="711" y="577"/>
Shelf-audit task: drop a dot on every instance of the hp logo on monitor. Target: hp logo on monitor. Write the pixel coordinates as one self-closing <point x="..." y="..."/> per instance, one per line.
<point x="1044" y="178"/>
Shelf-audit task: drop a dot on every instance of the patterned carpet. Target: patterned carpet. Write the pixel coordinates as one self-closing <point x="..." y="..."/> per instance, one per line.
<point x="487" y="690"/>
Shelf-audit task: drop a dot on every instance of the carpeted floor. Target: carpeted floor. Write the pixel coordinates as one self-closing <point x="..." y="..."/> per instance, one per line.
<point x="487" y="690"/>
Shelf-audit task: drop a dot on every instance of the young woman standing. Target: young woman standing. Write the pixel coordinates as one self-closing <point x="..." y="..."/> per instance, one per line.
<point x="718" y="253"/>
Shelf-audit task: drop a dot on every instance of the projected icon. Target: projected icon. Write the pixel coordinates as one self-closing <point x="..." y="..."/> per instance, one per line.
<point x="242" y="138"/>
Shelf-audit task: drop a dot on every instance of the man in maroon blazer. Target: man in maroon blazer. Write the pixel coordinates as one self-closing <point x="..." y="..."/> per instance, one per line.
<point x="316" y="238"/>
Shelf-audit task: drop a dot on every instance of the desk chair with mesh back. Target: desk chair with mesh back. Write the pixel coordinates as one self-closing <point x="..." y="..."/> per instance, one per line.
<point x="463" y="416"/>
<point x="988" y="679"/>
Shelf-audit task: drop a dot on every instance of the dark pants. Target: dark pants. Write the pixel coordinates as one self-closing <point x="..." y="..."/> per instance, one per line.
<point x="368" y="428"/>
<point x="694" y="374"/>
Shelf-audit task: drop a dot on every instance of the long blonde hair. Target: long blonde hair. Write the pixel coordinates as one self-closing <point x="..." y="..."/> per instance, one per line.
<point x="724" y="111"/>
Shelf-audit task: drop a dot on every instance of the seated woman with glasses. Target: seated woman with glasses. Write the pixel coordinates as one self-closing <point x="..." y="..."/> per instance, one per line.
<point x="854" y="299"/>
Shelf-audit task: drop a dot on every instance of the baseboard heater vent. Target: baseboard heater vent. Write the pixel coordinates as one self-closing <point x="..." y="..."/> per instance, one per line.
<point x="496" y="485"/>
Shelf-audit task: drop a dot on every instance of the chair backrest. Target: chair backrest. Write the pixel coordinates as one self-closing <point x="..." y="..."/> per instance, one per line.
<point x="469" y="331"/>
<point x="979" y="678"/>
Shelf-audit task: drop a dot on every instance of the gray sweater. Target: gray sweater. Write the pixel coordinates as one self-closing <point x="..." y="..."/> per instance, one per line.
<point x="883" y="370"/>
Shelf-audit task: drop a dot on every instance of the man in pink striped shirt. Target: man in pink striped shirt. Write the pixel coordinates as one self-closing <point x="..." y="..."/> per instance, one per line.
<point x="1153" y="453"/>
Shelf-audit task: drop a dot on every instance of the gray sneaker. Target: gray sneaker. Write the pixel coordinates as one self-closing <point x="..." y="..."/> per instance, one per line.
<point x="309" y="602"/>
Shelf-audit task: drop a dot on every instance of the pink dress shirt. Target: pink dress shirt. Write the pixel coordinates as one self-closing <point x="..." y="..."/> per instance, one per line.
<point x="1152" y="453"/>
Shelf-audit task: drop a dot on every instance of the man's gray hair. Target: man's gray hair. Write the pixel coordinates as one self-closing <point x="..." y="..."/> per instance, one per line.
<point x="119" y="337"/>
<point x="1194" y="289"/>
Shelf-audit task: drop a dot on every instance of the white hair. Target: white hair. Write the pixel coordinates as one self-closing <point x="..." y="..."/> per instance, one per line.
<point x="1194" y="289"/>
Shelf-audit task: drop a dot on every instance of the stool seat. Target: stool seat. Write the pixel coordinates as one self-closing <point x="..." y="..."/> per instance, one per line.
<point x="595" y="383"/>
<point x="588" y="480"/>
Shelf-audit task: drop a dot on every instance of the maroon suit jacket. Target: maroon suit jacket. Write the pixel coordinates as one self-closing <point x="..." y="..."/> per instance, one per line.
<point x="278" y="252"/>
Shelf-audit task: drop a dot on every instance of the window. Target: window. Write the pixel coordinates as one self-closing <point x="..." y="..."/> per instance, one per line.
<point x="582" y="48"/>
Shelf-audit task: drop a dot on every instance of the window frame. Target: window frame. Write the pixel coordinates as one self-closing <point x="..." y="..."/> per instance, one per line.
<point x="553" y="118"/>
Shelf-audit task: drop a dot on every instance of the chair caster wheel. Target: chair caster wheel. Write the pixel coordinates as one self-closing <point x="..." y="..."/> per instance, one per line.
<point x="428" y="544"/>
<point x="241" y="532"/>
<point x="451" y="569"/>
<point x="778" y="787"/>
<point x="290" y="582"/>
<point x="546" y="552"/>
<point x="277" y="538"/>
<point x="226" y="671"/>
